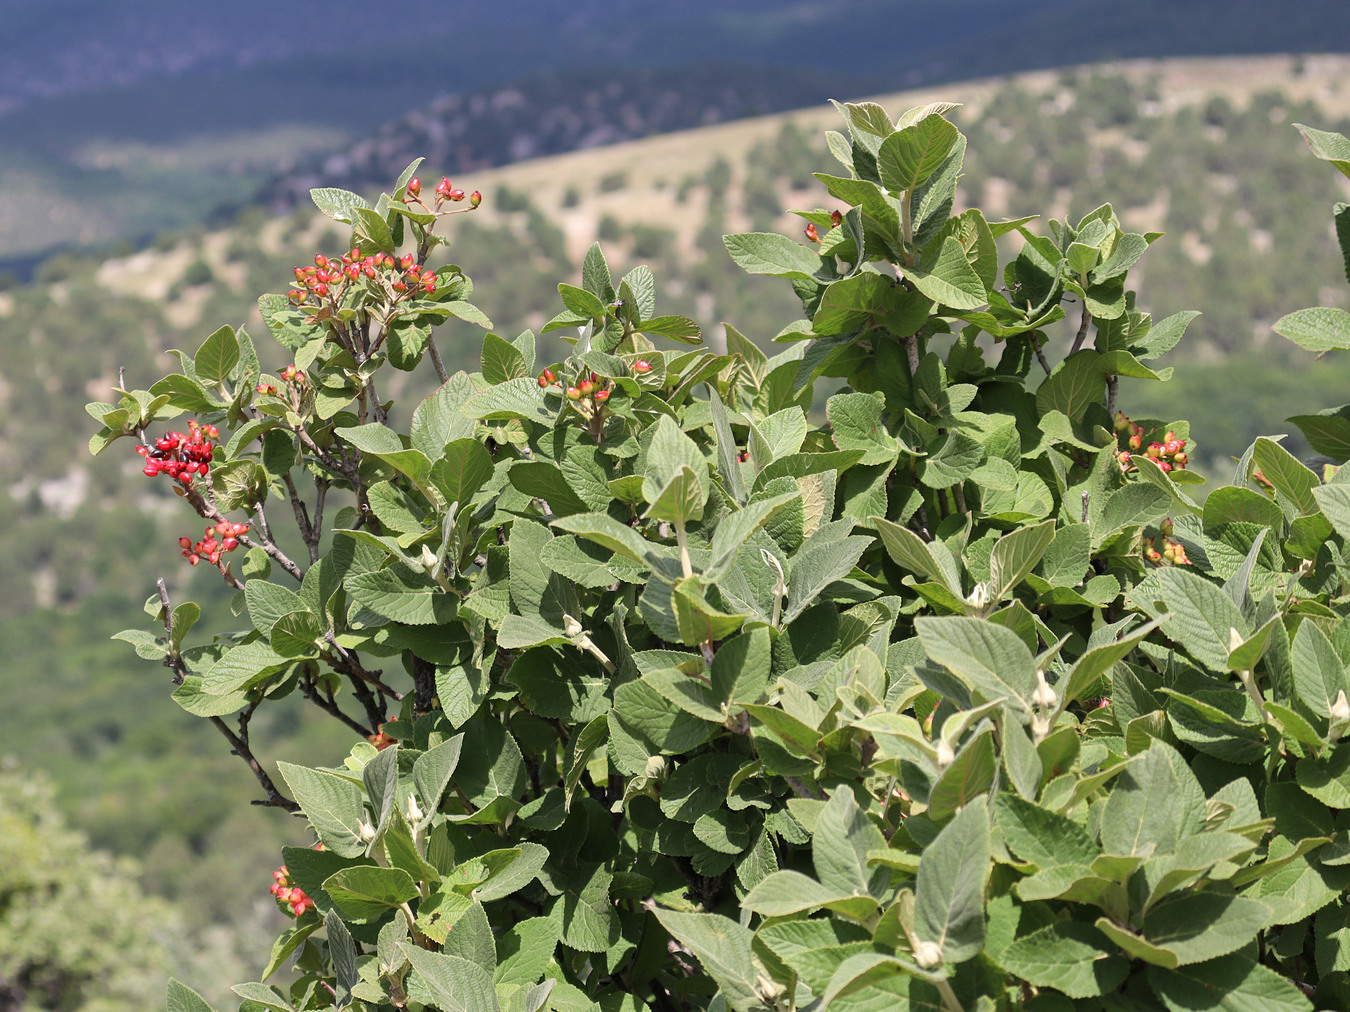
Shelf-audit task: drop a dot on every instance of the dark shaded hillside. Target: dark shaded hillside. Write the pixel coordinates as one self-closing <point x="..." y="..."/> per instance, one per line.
<point x="550" y="115"/>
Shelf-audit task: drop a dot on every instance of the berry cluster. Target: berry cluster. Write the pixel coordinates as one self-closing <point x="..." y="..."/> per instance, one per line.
<point x="380" y="740"/>
<point x="289" y="895"/>
<point x="589" y="392"/>
<point x="1169" y="453"/>
<point x="330" y="279"/>
<point x="292" y="375"/>
<point x="217" y="541"/>
<point x="445" y="190"/>
<point x="812" y="233"/>
<point x="180" y="455"/>
<point x="1173" y="552"/>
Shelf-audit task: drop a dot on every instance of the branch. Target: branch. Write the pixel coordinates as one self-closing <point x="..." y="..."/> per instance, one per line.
<point x="238" y="742"/>
<point x="441" y="374"/>
<point x="1082" y="329"/>
<point x="329" y="705"/>
<point x="269" y="546"/>
<point x="307" y="532"/>
<point x="1040" y="355"/>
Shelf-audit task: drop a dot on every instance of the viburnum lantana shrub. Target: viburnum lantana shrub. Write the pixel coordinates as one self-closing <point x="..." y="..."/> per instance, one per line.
<point x="666" y="695"/>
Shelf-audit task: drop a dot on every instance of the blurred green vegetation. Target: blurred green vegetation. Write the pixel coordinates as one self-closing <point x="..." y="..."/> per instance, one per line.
<point x="82" y="540"/>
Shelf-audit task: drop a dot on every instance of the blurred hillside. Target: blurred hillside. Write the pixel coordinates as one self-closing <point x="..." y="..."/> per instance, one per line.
<point x="1201" y="149"/>
<point x="128" y="117"/>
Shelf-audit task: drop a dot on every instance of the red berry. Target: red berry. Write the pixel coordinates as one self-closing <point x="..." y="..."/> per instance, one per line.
<point x="550" y="375"/>
<point x="414" y="186"/>
<point x="475" y="199"/>
<point x="573" y="394"/>
<point x="194" y="559"/>
<point x="407" y="261"/>
<point x="642" y="366"/>
<point x="602" y="395"/>
<point x="456" y="194"/>
<point x="320" y="260"/>
<point x="184" y="542"/>
<point x="229" y="544"/>
<point x="150" y="470"/>
<point x="586" y="387"/>
<point x="543" y="381"/>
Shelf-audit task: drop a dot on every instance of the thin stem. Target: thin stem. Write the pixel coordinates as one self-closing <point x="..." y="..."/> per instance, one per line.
<point x="959" y="492"/>
<point x="307" y="531"/>
<point x="268" y="545"/>
<point x="1040" y="355"/>
<point x="1081" y="336"/>
<point x="329" y="706"/>
<point x="949" y="1000"/>
<point x="911" y="344"/>
<point x="1112" y="389"/>
<point x="441" y="374"/>
<point x="685" y="563"/>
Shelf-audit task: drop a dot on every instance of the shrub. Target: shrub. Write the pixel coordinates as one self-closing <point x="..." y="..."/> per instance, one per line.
<point x="957" y="700"/>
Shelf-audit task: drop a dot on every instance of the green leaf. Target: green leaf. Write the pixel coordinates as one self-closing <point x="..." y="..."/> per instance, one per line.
<point x="366" y="893"/>
<point x="843" y="838"/>
<point x="1015" y="555"/>
<point x="789" y="892"/>
<point x="728" y="462"/>
<point x="908" y="157"/>
<point x="1319" y="673"/>
<point x="671" y="449"/>
<point x="1235" y="983"/>
<point x="332" y="804"/>
<point x="402" y="595"/>
<point x="501" y="360"/>
<point x="1334" y="502"/>
<point x="1046" y="839"/>
<point x="1327" y="432"/>
<point x="1069" y="956"/>
<point x="1155" y="804"/>
<point x="1203" y="617"/>
<point x="450" y="983"/>
<point x="582" y="302"/>
<point x="1330" y="147"/>
<point x="518" y="398"/>
<point x="1287" y="473"/>
<point x="737" y="527"/>
<point x="911" y="552"/>
<point x="815" y="566"/>
<point x="772" y="254"/>
<point x="949" y="891"/>
<point x="433" y="769"/>
<point x="182" y="998"/>
<point x="340" y="205"/>
<point x="856" y="423"/>
<point x="595" y="277"/>
<point x="681" y="500"/>
<point x="1196" y="926"/>
<point x="950" y="280"/>
<point x="604" y="530"/>
<point x="464" y="468"/>
<point x="371" y="228"/>
<point x="217" y="356"/>
<point x="723" y="947"/>
<point x="342" y="952"/>
<point x="1232" y="504"/>
<point x="988" y="657"/>
<point x="1073" y="386"/>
